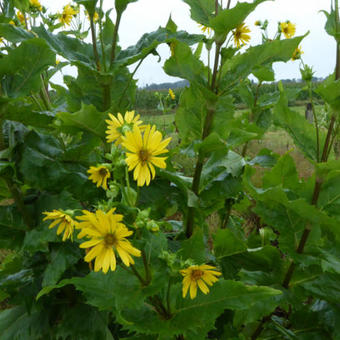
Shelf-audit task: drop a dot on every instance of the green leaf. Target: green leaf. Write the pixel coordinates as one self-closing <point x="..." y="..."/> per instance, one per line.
<point x="184" y="64"/>
<point x="297" y="126"/>
<point x="90" y="5"/>
<point x="194" y="248"/>
<point x="62" y="258"/>
<point x="20" y="70"/>
<point x="264" y="73"/>
<point x="201" y="10"/>
<point x="329" y="90"/>
<point x="86" y="119"/>
<point x="226" y="243"/>
<point x="228" y="19"/>
<point x="330" y="26"/>
<point x="241" y="65"/>
<point x="14" y="34"/>
<point x="122" y="4"/>
<point x="196" y="315"/>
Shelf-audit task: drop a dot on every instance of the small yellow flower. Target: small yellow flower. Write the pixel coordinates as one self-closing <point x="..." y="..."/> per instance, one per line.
<point x="12" y="22"/>
<point x="200" y="276"/>
<point x="288" y="29"/>
<point x="65" y="221"/>
<point x="1" y="40"/>
<point x="57" y="61"/>
<point x="36" y="4"/>
<point x="21" y="17"/>
<point x="144" y="151"/>
<point x="205" y="29"/>
<point x="297" y="53"/>
<point x="99" y="175"/>
<point x="240" y="35"/>
<point x="172" y="94"/>
<point x="257" y="23"/>
<point x="118" y="126"/>
<point x="107" y="235"/>
<point x="67" y="15"/>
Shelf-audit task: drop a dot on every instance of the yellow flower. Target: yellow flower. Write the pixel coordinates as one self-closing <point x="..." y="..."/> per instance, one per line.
<point x="12" y="22"/>
<point x="205" y="29"/>
<point x="65" y="221"/>
<point x="144" y="149"/>
<point x="36" y="4"/>
<point x="198" y="276"/>
<point x="107" y="235"/>
<point x="257" y="23"/>
<point x="57" y="61"/>
<point x="240" y="35"/>
<point x="172" y="94"/>
<point x="118" y="126"/>
<point x="1" y="40"/>
<point x="99" y="175"/>
<point x="297" y="53"/>
<point x="66" y="16"/>
<point x="21" y="17"/>
<point x="288" y="29"/>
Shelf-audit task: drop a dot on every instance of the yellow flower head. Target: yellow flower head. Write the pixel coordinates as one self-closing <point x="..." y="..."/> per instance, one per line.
<point x="107" y="235"/>
<point x="205" y="29"/>
<point x="67" y="15"/>
<point x="288" y="29"/>
<point x="65" y="221"/>
<point x="240" y="35"/>
<point x="200" y="276"/>
<point x="99" y="175"/>
<point x="21" y="17"/>
<point x="57" y="61"/>
<point x="12" y="22"/>
<point x="118" y="126"/>
<point x="144" y="151"/>
<point x="36" y="4"/>
<point x="172" y="94"/>
<point x="297" y="53"/>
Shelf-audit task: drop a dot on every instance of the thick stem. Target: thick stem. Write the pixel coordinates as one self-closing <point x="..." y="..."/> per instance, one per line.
<point x="146" y="269"/>
<point x="200" y="160"/>
<point x="114" y="39"/>
<point x="94" y="43"/>
<point x="139" y="277"/>
<point x="315" y="122"/>
<point x="101" y="38"/>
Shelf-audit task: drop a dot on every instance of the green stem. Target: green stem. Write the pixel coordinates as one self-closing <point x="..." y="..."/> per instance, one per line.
<point x="315" y="122"/>
<point x="94" y="43"/>
<point x="101" y="37"/>
<point x="114" y="39"/>
<point x="139" y="277"/>
<point x="146" y="268"/>
<point x="44" y="95"/>
<point x="168" y="305"/>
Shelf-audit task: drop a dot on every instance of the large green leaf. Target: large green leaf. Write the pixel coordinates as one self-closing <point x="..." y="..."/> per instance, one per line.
<point x="87" y="119"/>
<point x="122" y="4"/>
<point x="14" y="34"/>
<point x="226" y="243"/>
<point x="196" y="315"/>
<point x="241" y="65"/>
<point x="329" y="90"/>
<point x="229" y="19"/>
<point x="184" y="64"/>
<point x="149" y="41"/>
<point x="331" y="25"/>
<point x="302" y="132"/>
<point x="201" y="10"/>
<point x="20" y="70"/>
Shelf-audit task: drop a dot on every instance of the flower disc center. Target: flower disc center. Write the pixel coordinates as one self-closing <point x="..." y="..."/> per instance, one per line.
<point x="110" y="240"/>
<point x="103" y="172"/>
<point x="143" y="155"/>
<point x="196" y="274"/>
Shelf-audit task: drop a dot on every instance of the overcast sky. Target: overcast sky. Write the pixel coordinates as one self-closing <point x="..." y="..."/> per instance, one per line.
<point x="147" y="15"/>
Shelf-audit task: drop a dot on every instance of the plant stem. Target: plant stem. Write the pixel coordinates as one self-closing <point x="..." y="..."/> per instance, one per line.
<point x="146" y="268"/>
<point x="44" y="95"/>
<point x="200" y="160"/>
<point x="101" y="37"/>
<point x="17" y="196"/>
<point x="168" y="306"/>
<point x="114" y="39"/>
<point x="315" y="122"/>
<point x="94" y="43"/>
<point x="139" y="277"/>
